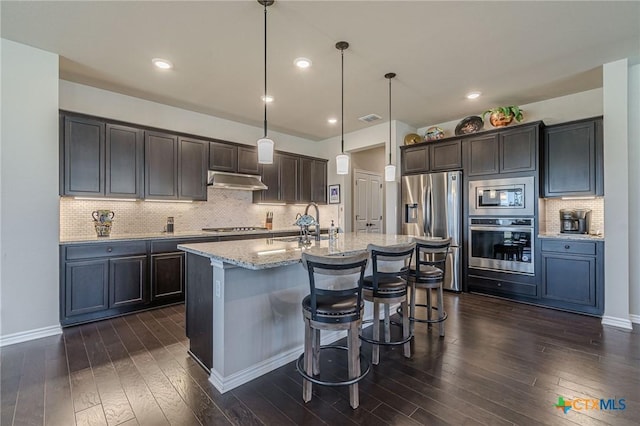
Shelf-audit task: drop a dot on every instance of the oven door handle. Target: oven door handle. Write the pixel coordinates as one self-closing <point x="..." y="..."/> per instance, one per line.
<point x="503" y="228"/>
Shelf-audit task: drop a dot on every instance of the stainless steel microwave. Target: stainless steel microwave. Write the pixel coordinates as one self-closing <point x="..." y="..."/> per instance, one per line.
<point x="502" y="197"/>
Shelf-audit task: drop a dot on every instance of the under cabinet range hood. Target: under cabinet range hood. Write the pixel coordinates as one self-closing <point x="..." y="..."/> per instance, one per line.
<point x="226" y="180"/>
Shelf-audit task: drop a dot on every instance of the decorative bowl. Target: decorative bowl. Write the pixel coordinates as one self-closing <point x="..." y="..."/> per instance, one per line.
<point x="433" y="134"/>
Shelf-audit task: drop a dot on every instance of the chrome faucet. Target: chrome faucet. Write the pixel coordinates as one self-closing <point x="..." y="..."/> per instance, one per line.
<point x="306" y="211"/>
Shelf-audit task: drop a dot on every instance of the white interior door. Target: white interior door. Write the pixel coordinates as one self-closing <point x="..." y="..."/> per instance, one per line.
<point x="367" y="209"/>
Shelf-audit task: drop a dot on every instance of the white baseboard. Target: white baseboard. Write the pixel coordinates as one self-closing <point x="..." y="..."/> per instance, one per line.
<point x="635" y="318"/>
<point x="24" y="336"/>
<point x="622" y="323"/>
<point x="225" y="384"/>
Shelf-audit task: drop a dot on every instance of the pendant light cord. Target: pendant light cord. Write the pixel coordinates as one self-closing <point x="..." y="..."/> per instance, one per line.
<point x="390" y="120"/>
<point x="265" y="70"/>
<point x="342" y="103"/>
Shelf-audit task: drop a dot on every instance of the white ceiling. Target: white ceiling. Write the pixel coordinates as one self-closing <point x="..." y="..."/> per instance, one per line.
<point x="514" y="52"/>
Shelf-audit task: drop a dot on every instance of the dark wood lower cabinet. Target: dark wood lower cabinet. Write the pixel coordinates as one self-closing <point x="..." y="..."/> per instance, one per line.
<point x="127" y="279"/>
<point x="86" y="287"/>
<point x="167" y="276"/>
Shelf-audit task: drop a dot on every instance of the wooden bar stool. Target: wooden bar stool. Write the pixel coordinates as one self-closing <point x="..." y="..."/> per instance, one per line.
<point x="431" y="260"/>
<point x="334" y="303"/>
<point x="388" y="285"/>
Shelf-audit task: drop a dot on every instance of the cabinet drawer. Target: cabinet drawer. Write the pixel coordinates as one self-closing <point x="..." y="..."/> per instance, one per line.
<point x="86" y="251"/>
<point x="503" y="286"/>
<point x="569" y="246"/>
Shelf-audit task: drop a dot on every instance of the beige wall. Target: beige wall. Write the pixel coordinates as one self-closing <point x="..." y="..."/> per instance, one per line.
<point x="372" y="160"/>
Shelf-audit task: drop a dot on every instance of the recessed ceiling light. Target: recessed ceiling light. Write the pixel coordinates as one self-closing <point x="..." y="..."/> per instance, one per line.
<point x="163" y="64"/>
<point x="332" y="120"/>
<point x="268" y="99"/>
<point x="473" y="95"/>
<point x="302" y="63"/>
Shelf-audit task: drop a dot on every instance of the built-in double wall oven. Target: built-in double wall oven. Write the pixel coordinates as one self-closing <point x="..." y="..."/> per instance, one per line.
<point x="501" y="225"/>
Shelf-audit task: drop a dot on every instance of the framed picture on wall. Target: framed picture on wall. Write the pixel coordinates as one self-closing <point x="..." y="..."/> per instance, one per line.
<point x="334" y="194"/>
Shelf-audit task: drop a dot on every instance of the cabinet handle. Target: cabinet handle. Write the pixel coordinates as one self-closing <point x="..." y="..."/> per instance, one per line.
<point x="109" y="249"/>
<point x="567" y="246"/>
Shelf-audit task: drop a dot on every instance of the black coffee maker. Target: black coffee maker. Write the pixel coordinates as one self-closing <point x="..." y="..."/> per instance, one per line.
<point x="575" y="221"/>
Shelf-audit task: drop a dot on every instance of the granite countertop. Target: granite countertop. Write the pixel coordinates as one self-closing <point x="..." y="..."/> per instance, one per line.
<point x="272" y="253"/>
<point x="172" y="235"/>
<point x="588" y="237"/>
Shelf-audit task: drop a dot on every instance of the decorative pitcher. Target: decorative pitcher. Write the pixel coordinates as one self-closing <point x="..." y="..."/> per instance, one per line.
<point x="103" y="216"/>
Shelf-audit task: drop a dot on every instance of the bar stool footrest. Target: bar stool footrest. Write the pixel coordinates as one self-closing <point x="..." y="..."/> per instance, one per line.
<point x="426" y="321"/>
<point x="364" y="365"/>
<point x="382" y="342"/>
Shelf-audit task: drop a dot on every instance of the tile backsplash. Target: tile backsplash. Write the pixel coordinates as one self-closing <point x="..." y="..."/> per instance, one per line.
<point x="552" y="209"/>
<point x="224" y="208"/>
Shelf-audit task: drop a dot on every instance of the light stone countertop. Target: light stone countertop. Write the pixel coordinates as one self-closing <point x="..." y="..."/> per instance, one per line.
<point x="270" y="253"/>
<point x="583" y="237"/>
<point x="171" y="235"/>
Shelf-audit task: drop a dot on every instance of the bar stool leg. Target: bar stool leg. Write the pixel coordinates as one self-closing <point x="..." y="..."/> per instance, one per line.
<point x="387" y="323"/>
<point x="405" y="330"/>
<point x="441" y="309"/>
<point x="316" y="352"/>
<point x="375" y="351"/>
<point x="428" y="290"/>
<point x="353" y="347"/>
<point x="413" y="305"/>
<point x="308" y="360"/>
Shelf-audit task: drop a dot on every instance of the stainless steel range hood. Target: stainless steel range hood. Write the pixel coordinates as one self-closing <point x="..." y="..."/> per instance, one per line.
<point x="226" y="180"/>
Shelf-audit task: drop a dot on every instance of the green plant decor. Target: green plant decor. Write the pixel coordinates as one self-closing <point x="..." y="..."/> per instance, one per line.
<point x="513" y="110"/>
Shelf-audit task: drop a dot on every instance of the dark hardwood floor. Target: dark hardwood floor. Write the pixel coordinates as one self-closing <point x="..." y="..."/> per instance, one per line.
<point x="500" y="363"/>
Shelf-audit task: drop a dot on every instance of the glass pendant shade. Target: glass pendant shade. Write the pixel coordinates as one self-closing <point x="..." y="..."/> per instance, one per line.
<point x="265" y="151"/>
<point x="342" y="164"/>
<point x="389" y="173"/>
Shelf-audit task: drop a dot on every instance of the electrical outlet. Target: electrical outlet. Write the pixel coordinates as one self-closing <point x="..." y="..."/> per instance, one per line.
<point x="217" y="288"/>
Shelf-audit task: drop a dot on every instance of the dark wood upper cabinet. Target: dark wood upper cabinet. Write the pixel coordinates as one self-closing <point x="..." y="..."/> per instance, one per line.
<point x="271" y="177"/>
<point x="248" y="160"/>
<point x="193" y="156"/>
<point x="483" y="155"/>
<point x="445" y="156"/>
<point x="518" y="147"/>
<point x="415" y="159"/>
<point x="304" y="185"/>
<point x="288" y="178"/>
<point x="319" y="181"/>
<point x="573" y="159"/>
<point x="83" y="156"/>
<point x="223" y="157"/>
<point x="293" y="179"/>
<point x="161" y="159"/>
<point x="124" y="161"/>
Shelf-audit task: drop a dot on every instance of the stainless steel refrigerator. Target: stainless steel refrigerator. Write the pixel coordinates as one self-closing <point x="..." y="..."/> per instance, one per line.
<point x="432" y="207"/>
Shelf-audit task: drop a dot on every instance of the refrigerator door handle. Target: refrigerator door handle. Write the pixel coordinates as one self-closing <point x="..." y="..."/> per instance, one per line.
<point x="427" y="210"/>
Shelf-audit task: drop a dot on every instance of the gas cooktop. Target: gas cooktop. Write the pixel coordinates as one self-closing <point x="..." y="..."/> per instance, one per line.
<point x="235" y="229"/>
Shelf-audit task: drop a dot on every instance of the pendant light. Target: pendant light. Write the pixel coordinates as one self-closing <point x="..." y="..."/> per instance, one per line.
<point x="265" y="144"/>
<point x="390" y="169"/>
<point x="342" y="159"/>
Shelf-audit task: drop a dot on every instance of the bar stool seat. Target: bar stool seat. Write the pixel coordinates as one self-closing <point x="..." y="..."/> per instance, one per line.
<point x="431" y="258"/>
<point x="334" y="303"/>
<point x="388" y="285"/>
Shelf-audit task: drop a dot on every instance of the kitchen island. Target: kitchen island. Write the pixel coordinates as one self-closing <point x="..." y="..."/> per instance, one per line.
<point x="243" y="302"/>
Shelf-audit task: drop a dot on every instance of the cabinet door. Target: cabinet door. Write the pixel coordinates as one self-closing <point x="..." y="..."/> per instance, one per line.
<point x="446" y="156"/>
<point x="193" y="159"/>
<point x="223" y="157"/>
<point x="161" y="161"/>
<point x="306" y="182"/>
<point x="319" y="181"/>
<point x="288" y="178"/>
<point x="86" y="286"/>
<point x="570" y="160"/>
<point x="415" y="160"/>
<point x="270" y="176"/>
<point x="483" y="155"/>
<point x="83" y="147"/>
<point x="570" y="279"/>
<point x="124" y="162"/>
<point x="518" y="149"/>
<point x="248" y="160"/>
<point x="167" y="276"/>
<point x="127" y="281"/>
